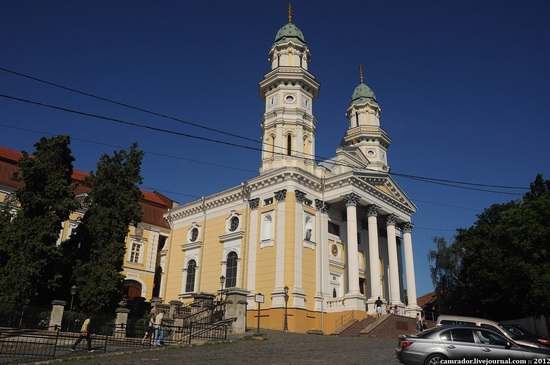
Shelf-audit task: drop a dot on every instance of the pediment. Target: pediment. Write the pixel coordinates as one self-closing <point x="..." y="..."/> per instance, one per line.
<point x="385" y="185"/>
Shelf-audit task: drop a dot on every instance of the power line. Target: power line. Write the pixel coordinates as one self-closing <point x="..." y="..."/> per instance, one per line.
<point x="127" y="105"/>
<point x="144" y="151"/>
<point x="134" y="124"/>
<point x="144" y="126"/>
<point x="246" y="138"/>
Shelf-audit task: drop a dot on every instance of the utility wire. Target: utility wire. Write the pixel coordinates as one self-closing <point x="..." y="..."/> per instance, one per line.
<point x="144" y="126"/>
<point x="126" y="105"/>
<point x="232" y="134"/>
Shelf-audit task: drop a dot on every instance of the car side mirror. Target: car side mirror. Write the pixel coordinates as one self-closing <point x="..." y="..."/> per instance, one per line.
<point x="508" y="345"/>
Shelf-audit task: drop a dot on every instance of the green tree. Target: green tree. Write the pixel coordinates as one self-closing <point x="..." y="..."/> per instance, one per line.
<point x="504" y="260"/>
<point x="28" y="240"/>
<point x="99" y="243"/>
<point x="444" y="272"/>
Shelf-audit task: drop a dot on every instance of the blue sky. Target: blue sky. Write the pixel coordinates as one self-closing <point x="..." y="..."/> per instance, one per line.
<point x="463" y="86"/>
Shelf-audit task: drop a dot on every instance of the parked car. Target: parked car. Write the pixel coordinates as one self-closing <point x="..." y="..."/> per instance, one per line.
<point x="530" y="341"/>
<point x="457" y="342"/>
<point x="520" y="334"/>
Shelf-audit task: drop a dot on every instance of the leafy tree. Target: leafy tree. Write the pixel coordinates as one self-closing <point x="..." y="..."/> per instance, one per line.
<point x="98" y="246"/>
<point x="504" y="260"/>
<point x="28" y="240"/>
<point x="445" y="273"/>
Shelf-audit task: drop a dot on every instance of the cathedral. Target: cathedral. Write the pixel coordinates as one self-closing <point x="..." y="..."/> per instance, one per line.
<point x="317" y="241"/>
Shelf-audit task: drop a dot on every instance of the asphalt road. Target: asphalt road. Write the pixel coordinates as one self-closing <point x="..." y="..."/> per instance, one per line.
<point x="277" y="348"/>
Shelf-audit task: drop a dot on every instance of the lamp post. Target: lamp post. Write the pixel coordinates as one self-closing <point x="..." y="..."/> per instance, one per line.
<point x="222" y="282"/>
<point x="285" y="328"/>
<point x="73" y="292"/>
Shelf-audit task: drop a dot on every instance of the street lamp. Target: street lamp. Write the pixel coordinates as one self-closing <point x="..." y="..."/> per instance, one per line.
<point x="73" y="292"/>
<point x="222" y="281"/>
<point x="286" y="309"/>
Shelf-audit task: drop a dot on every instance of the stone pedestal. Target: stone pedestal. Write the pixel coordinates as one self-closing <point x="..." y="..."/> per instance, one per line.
<point x="236" y="308"/>
<point x="121" y="322"/>
<point x="58" y="307"/>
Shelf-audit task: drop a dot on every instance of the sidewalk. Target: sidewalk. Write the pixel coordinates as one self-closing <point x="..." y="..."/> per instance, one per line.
<point x="277" y="348"/>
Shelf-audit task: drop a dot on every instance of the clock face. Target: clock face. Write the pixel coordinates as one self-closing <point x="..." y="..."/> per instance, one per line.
<point x="194" y="234"/>
<point x="233" y="224"/>
<point x="334" y="250"/>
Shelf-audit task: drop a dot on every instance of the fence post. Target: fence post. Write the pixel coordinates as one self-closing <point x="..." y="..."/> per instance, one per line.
<point x="121" y="321"/>
<point x="56" y="316"/>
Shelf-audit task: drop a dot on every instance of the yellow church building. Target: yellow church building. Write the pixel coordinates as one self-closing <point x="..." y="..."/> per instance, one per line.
<point x="319" y="241"/>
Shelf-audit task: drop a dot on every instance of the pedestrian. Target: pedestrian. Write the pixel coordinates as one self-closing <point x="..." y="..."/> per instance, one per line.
<point x="158" y="329"/>
<point x="378" y="305"/>
<point x="395" y="309"/>
<point x="149" y="329"/>
<point x="423" y="323"/>
<point x="84" y="334"/>
<point x="418" y="323"/>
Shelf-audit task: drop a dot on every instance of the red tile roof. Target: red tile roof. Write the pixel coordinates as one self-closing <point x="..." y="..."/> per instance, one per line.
<point x="153" y="204"/>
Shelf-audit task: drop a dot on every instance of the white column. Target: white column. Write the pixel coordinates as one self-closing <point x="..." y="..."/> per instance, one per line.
<point x="352" y="264"/>
<point x="322" y="284"/>
<point x="374" y="255"/>
<point x="353" y="298"/>
<point x="278" y="293"/>
<point x="252" y="250"/>
<point x="412" y="307"/>
<point x="395" y="297"/>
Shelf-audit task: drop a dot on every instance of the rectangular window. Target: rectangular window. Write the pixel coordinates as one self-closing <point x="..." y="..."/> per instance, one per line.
<point x="135" y="251"/>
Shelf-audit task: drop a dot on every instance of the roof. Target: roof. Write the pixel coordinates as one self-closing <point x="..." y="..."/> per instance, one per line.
<point x="426" y="299"/>
<point x="153" y="204"/>
<point x="363" y="94"/>
<point x="289" y="33"/>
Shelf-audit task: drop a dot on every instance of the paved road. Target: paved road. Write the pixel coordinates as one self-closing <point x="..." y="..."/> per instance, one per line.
<point x="278" y="348"/>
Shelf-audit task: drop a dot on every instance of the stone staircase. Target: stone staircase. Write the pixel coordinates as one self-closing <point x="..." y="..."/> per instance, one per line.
<point x="354" y="327"/>
<point x="387" y="326"/>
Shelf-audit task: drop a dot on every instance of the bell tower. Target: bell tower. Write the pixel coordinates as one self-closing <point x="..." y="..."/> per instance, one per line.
<point x="364" y="131"/>
<point x="288" y="90"/>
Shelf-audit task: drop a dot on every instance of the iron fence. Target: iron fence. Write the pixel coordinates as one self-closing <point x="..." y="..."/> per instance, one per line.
<point x="16" y="315"/>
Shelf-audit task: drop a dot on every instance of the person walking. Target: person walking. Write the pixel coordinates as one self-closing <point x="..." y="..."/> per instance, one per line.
<point x="158" y="329"/>
<point x="378" y="305"/>
<point x="149" y="329"/>
<point x="84" y="334"/>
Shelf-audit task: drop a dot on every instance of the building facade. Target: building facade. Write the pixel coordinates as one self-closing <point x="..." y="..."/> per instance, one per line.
<point x="145" y="244"/>
<point x="319" y="241"/>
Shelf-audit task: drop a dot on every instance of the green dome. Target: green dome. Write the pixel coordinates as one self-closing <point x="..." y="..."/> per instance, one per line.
<point x="289" y="32"/>
<point x="363" y="94"/>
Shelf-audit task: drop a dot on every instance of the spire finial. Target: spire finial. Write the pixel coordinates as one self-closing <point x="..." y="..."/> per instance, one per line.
<point x="289" y="12"/>
<point x="361" y="72"/>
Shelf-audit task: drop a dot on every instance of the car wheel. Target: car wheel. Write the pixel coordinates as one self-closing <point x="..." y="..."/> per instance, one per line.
<point x="434" y="359"/>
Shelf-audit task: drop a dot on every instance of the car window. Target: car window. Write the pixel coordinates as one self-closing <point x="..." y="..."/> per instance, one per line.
<point x="484" y="325"/>
<point x="448" y="321"/>
<point x="514" y="331"/>
<point x="462" y="335"/>
<point x="445" y="335"/>
<point x="490" y="338"/>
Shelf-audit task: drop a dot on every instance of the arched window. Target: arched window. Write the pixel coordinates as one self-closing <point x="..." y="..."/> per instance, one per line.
<point x="231" y="270"/>
<point x="267" y="227"/>
<point x="190" y="279"/>
<point x="271" y="146"/>
<point x="288" y="145"/>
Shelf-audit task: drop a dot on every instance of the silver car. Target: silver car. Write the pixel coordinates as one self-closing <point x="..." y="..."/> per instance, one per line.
<point x="457" y="342"/>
